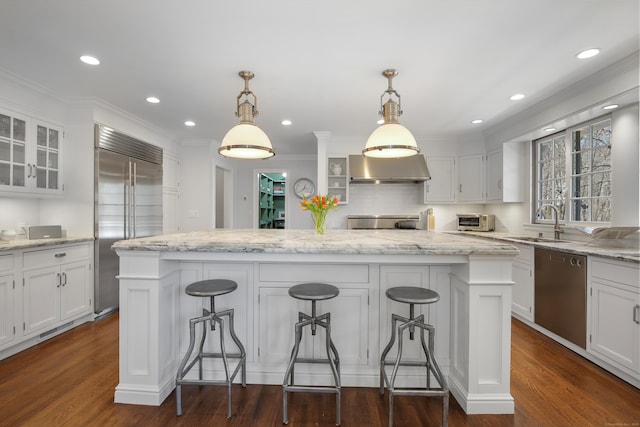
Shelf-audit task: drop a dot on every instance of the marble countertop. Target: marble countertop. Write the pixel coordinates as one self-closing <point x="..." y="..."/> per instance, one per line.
<point x="385" y="242"/>
<point x="607" y="249"/>
<point x="12" y="245"/>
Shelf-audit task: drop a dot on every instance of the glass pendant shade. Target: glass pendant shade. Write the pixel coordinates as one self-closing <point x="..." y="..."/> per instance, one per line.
<point x="246" y="140"/>
<point x="391" y="139"/>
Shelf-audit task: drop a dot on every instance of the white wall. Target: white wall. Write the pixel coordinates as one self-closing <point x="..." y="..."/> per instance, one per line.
<point x="196" y="178"/>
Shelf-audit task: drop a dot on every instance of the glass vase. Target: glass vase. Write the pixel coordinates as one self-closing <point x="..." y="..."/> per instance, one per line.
<point x="319" y="221"/>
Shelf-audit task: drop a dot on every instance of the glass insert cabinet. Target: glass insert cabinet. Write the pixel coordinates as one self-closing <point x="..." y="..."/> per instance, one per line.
<point x="337" y="178"/>
<point x="30" y="154"/>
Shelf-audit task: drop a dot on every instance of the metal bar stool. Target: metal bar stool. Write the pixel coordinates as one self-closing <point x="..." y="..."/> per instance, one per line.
<point x="312" y="292"/>
<point x="413" y="295"/>
<point x="211" y="289"/>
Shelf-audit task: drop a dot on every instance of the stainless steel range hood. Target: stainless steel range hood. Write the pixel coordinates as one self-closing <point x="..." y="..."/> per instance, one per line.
<point x="375" y="170"/>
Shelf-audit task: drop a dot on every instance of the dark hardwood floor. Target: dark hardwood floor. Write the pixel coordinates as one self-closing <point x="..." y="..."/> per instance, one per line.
<point x="69" y="381"/>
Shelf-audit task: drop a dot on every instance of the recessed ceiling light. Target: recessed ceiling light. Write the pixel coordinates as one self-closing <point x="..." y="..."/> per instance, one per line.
<point x="610" y="107"/>
<point x="516" y="97"/>
<point x="90" y="60"/>
<point x="153" y="100"/>
<point x="549" y="129"/>
<point x="476" y="121"/>
<point x="588" y="53"/>
<point x="286" y="122"/>
<point x="189" y="123"/>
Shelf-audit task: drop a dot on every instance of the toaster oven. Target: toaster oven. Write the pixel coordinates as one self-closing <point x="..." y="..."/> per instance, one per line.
<point x="476" y="222"/>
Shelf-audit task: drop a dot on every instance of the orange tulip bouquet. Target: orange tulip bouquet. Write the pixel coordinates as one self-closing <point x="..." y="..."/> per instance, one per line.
<point x="319" y="206"/>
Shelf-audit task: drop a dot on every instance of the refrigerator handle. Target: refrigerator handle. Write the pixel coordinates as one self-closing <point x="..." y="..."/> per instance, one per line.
<point x="134" y="203"/>
<point x="129" y="205"/>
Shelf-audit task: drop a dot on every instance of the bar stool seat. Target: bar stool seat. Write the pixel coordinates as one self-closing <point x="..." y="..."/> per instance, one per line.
<point x="413" y="295"/>
<point x="211" y="289"/>
<point x="312" y="292"/>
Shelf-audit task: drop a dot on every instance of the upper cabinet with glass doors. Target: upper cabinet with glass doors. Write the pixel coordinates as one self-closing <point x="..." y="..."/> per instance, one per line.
<point x="30" y="155"/>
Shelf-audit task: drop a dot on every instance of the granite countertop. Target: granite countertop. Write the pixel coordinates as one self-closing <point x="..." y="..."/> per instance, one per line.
<point x="12" y="245"/>
<point x="385" y="242"/>
<point x="608" y="249"/>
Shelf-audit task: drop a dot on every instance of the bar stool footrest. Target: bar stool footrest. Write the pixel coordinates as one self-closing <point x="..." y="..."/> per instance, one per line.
<point x="311" y="389"/>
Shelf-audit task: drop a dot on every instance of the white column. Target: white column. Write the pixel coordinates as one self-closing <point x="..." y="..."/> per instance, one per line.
<point x="479" y="377"/>
<point x="148" y="331"/>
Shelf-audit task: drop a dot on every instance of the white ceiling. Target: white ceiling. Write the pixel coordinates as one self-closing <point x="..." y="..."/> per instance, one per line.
<point x="317" y="62"/>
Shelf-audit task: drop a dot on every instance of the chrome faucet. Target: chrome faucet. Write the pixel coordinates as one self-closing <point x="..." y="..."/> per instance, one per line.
<point x="556" y="228"/>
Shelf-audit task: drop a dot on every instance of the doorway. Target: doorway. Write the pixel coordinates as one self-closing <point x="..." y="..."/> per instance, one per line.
<point x="271" y="199"/>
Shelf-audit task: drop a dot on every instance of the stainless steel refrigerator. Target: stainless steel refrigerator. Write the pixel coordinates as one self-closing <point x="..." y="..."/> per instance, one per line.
<point x="128" y="204"/>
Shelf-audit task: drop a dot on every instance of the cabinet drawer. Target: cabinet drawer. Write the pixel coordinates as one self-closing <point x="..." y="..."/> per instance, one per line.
<point x="54" y="256"/>
<point x="616" y="272"/>
<point x="6" y="263"/>
<point x="347" y="273"/>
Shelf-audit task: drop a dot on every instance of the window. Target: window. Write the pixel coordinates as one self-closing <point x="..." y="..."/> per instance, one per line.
<point x="591" y="172"/>
<point x="584" y="195"/>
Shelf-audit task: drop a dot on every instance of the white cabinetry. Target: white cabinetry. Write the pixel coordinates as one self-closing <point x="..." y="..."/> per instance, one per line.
<point x="57" y="286"/>
<point x="30" y="155"/>
<point x="614" y="310"/>
<point x="43" y="292"/>
<point x="506" y="173"/>
<point x="441" y="187"/>
<point x="495" y="183"/>
<point x="278" y="312"/>
<point x="522" y="294"/>
<point x="338" y="178"/>
<point x="7" y="302"/>
<point x="470" y="178"/>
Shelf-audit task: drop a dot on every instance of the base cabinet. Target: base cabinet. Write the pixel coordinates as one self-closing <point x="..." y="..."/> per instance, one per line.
<point x="42" y="293"/>
<point x="59" y="291"/>
<point x="614" y="308"/>
<point x="278" y="312"/>
<point x="7" y="323"/>
<point x="357" y="308"/>
<point x="522" y="296"/>
<point x="41" y="289"/>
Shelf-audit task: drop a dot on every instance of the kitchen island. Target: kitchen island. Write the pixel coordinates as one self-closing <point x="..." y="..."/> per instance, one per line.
<point x="472" y="318"/>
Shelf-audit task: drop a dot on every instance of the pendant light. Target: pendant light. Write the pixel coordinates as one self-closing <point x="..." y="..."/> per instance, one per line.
<point x="246" y="140"/>
<point x="390" y="139"/>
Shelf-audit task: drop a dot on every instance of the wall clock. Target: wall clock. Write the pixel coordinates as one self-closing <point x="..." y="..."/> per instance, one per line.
<point x="304" y="188"/>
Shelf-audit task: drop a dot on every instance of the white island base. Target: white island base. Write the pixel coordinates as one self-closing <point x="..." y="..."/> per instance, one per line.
<point x="472" y="318"/>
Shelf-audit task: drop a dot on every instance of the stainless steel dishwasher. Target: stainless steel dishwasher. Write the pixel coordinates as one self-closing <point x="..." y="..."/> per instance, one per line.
<point x="561" y="294"/>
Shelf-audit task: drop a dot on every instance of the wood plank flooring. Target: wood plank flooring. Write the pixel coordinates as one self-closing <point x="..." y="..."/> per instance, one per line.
<point x="69" y="381"/>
